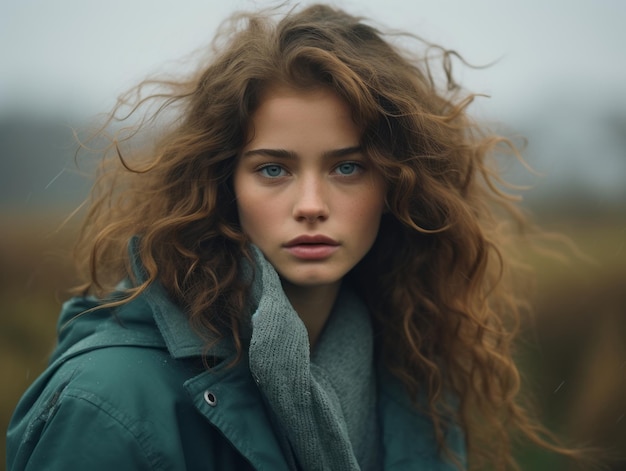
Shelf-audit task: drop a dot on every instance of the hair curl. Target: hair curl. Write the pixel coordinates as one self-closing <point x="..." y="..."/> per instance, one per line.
<point x="437" y="279"/>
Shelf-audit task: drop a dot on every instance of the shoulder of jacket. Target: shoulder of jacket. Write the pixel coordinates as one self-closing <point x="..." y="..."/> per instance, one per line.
<point x="130" y="394"/>
<point x="72" y="427"/>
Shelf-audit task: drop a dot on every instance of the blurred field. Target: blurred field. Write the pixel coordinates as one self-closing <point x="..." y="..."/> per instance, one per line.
<point x="574" y="360"/>
<point x="34" y="272"/>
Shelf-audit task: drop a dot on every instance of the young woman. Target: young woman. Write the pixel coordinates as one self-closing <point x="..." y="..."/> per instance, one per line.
<point x="307" y="270"/>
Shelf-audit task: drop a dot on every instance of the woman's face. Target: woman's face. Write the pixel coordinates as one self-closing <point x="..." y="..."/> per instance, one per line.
<point x="307" y="196"/>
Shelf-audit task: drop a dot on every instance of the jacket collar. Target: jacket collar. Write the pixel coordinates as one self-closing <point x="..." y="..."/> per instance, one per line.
<point x="181" y="339"/>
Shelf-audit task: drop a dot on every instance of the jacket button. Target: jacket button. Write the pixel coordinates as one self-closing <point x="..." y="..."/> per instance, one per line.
<point x="210" y="398"/>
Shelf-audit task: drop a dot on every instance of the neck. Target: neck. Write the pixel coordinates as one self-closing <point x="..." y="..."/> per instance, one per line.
<point x="313" y="305"/>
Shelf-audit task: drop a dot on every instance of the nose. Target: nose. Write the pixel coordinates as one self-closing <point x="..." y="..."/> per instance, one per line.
<point x="311" y="202"/>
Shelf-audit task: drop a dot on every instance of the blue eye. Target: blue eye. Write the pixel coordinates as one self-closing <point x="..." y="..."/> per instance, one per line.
<point x="272" y="171"/>
<point x="347" y="168"/>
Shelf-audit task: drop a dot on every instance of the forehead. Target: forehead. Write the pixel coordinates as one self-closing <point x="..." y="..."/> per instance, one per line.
<point x="294" y="116"/>
<point x="282" y="99"/>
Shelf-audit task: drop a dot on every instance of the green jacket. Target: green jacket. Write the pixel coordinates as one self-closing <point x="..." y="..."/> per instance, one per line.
<point x="127" y="390"/>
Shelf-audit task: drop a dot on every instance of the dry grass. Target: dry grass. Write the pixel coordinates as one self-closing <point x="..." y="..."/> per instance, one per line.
<point x="576" y="360"/>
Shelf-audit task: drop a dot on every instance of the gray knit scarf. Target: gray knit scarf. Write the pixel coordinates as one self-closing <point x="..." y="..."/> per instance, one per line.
<point x="325" y="401"/>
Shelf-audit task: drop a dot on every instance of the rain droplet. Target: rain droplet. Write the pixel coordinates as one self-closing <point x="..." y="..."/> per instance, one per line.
<point x="560" y="386"/>
<point x="54" y="179"/>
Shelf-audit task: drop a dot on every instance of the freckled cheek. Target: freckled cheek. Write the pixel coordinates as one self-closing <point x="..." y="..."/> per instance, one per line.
<point x="251" y="213"/>
<point x="248" y="207"/>
<point x="259" y="217"/>
<point x="368" y="206"/>
<point x="362" y="217"/>
<point x="372" y="209"/>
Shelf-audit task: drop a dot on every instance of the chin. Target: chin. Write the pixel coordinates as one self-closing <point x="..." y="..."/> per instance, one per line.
<point x="312" y="280"/>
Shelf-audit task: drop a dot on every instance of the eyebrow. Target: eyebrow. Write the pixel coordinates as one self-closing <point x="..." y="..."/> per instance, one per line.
<point x="290" y="155"/>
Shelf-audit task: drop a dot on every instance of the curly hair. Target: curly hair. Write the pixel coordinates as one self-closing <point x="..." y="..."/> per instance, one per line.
<point x="438" y="278"/>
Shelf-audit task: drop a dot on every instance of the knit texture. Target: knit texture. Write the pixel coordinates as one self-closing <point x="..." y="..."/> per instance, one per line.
<point x="325" y="402"/>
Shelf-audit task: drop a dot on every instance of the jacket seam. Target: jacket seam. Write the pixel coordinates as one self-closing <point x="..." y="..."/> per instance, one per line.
<point x="124" y="421"/>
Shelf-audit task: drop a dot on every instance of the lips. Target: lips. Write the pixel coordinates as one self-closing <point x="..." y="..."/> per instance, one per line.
<point x="316" y="247"/>
<point x="312" y="240"/>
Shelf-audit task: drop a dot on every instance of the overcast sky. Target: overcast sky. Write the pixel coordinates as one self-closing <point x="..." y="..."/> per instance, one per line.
<point x="82" y="54"/>
<point x="561" y="64"/>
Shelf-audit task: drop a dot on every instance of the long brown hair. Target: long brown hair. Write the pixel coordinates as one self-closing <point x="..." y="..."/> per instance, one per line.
<point x="437" y="279"/>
